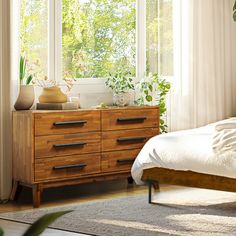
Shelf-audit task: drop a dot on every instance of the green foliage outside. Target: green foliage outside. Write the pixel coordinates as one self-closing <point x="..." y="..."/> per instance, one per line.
<point x="34" y="36"/>
<point x="98" y="37"/>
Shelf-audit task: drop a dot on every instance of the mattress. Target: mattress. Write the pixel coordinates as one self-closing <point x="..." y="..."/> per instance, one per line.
<point x="185" y="150"/>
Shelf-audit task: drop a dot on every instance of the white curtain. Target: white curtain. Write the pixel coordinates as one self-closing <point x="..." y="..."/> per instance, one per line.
<point x="5" y="101"/>
<point x="204" y="84"/>
<point x="8" y="88"/>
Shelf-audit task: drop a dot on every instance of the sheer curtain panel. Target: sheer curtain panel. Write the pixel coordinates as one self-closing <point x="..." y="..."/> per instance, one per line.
<point x="204" y="83"/>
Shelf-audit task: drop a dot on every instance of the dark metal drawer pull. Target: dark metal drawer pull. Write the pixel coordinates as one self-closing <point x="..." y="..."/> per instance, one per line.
<point x="79" y="166"/>
<point x="67" y="145"/>
<point x="137" y="119"/>
<point x="125" y="161"/>
<point x="121" y="140"/>
<point x="80" y="122"/>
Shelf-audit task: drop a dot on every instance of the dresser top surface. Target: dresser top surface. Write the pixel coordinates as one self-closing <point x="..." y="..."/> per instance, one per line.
<point x="88" y="109"/>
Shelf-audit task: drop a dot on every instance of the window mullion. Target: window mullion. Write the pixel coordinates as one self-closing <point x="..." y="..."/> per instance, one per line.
<point x="141" y="39"/>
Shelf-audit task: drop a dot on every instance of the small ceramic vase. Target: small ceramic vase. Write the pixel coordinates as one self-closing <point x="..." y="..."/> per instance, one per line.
<point x="25" y="98"/>
<point x="121" y="99"/>
<point x="52" y="95"/>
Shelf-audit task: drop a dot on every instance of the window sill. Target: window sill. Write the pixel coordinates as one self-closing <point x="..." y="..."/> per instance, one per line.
<point x="90" y="81"/>
<point x="86" y="81"/>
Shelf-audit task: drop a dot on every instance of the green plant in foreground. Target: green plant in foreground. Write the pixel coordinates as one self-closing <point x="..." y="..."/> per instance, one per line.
<point x="22" y="73"/>
<point x="152" y="91"/>
<point x="120" y="82"/>
<point x="41" y="224"/>
<point x="234" y="11"/>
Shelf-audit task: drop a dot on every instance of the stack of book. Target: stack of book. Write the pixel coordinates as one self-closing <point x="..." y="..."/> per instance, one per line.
<point x="57" y="106"/>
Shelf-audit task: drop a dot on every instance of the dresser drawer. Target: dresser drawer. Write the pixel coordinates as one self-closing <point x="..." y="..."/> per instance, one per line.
<point x="66" y="167"/>
<point x="130" y="118"/>
<point x="68" y="144"/>
<point x="67" y="122"/>
<point x="118" y="161"/>
<point x="127" y="139"/>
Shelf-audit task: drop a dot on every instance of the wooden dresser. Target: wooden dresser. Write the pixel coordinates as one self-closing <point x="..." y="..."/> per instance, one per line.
<point x="56" y="148"/>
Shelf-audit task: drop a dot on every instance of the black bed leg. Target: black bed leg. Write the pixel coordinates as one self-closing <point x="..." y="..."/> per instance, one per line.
<point x="155" y="185"/>
<point x="149" y="192"/>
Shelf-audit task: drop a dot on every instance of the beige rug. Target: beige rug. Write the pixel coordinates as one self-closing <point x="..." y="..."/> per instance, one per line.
<point x="180" y="212"/>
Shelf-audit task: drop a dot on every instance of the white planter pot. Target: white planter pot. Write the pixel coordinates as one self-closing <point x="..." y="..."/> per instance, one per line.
<point x="25" y="98"/>
<point x="121" y="99"/>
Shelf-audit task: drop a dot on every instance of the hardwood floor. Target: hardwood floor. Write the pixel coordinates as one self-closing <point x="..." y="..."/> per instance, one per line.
<point x="73" y="194"/>
<point x="62" y="196"/>
<point x="67" y="195"/>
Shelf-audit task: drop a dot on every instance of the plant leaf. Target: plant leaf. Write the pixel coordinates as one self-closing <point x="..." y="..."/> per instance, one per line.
<point x="149" y="98"/>
<point x="22" y="69"/>
<point x="29" y="79"/>
<point x="150" y="87"/>
<point x="168" y="86"/>
<point x="41" y="224"/>
<point x="1" y="232"/>
<point x="234" y="11"/>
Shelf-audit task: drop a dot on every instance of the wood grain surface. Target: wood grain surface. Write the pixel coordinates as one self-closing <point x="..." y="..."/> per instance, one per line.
<point x="44" y="123"/>
<point x="139" y="118"/>
<point x="57" y="148"/>
<point x="83" y="143"/>
<point x="44" y="167"/>
<point x="110" y="140"/>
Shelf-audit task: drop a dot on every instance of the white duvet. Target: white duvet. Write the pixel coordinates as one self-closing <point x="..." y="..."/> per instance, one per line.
<point x="185" y="150"/>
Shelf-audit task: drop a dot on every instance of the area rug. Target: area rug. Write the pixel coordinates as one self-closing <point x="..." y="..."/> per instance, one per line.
<point x="209" y="213"/>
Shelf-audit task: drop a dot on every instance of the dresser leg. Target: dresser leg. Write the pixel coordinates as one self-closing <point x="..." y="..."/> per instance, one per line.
<point x="130" y="180"/>
<point x="16" y="190"/>
<point x="36" y="196"/>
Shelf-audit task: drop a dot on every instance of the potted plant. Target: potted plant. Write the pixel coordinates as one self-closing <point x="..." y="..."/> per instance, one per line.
<point x="26" y="95"/>
<point x="152" y="91"/>
<point x="121" y="85"/>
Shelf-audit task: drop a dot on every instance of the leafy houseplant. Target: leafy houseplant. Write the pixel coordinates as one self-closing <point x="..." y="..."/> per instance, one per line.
<point x="41" y="224"/>
<point x="121" y="84"/>
<point x="26" y="95"/>
<point x="152" y="91"/>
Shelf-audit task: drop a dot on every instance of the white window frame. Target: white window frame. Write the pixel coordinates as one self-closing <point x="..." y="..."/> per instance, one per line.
<point x="55" y="44"/>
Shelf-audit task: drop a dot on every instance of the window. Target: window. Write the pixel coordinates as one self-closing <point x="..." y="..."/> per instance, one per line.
<point x="34" y="36"/>
<point x="98" y="37"/>
<point x="159" y="34"/>
<point x="92" y="38"/>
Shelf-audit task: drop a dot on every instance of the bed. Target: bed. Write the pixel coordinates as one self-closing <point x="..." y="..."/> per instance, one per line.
<point x="185" y="158"/>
